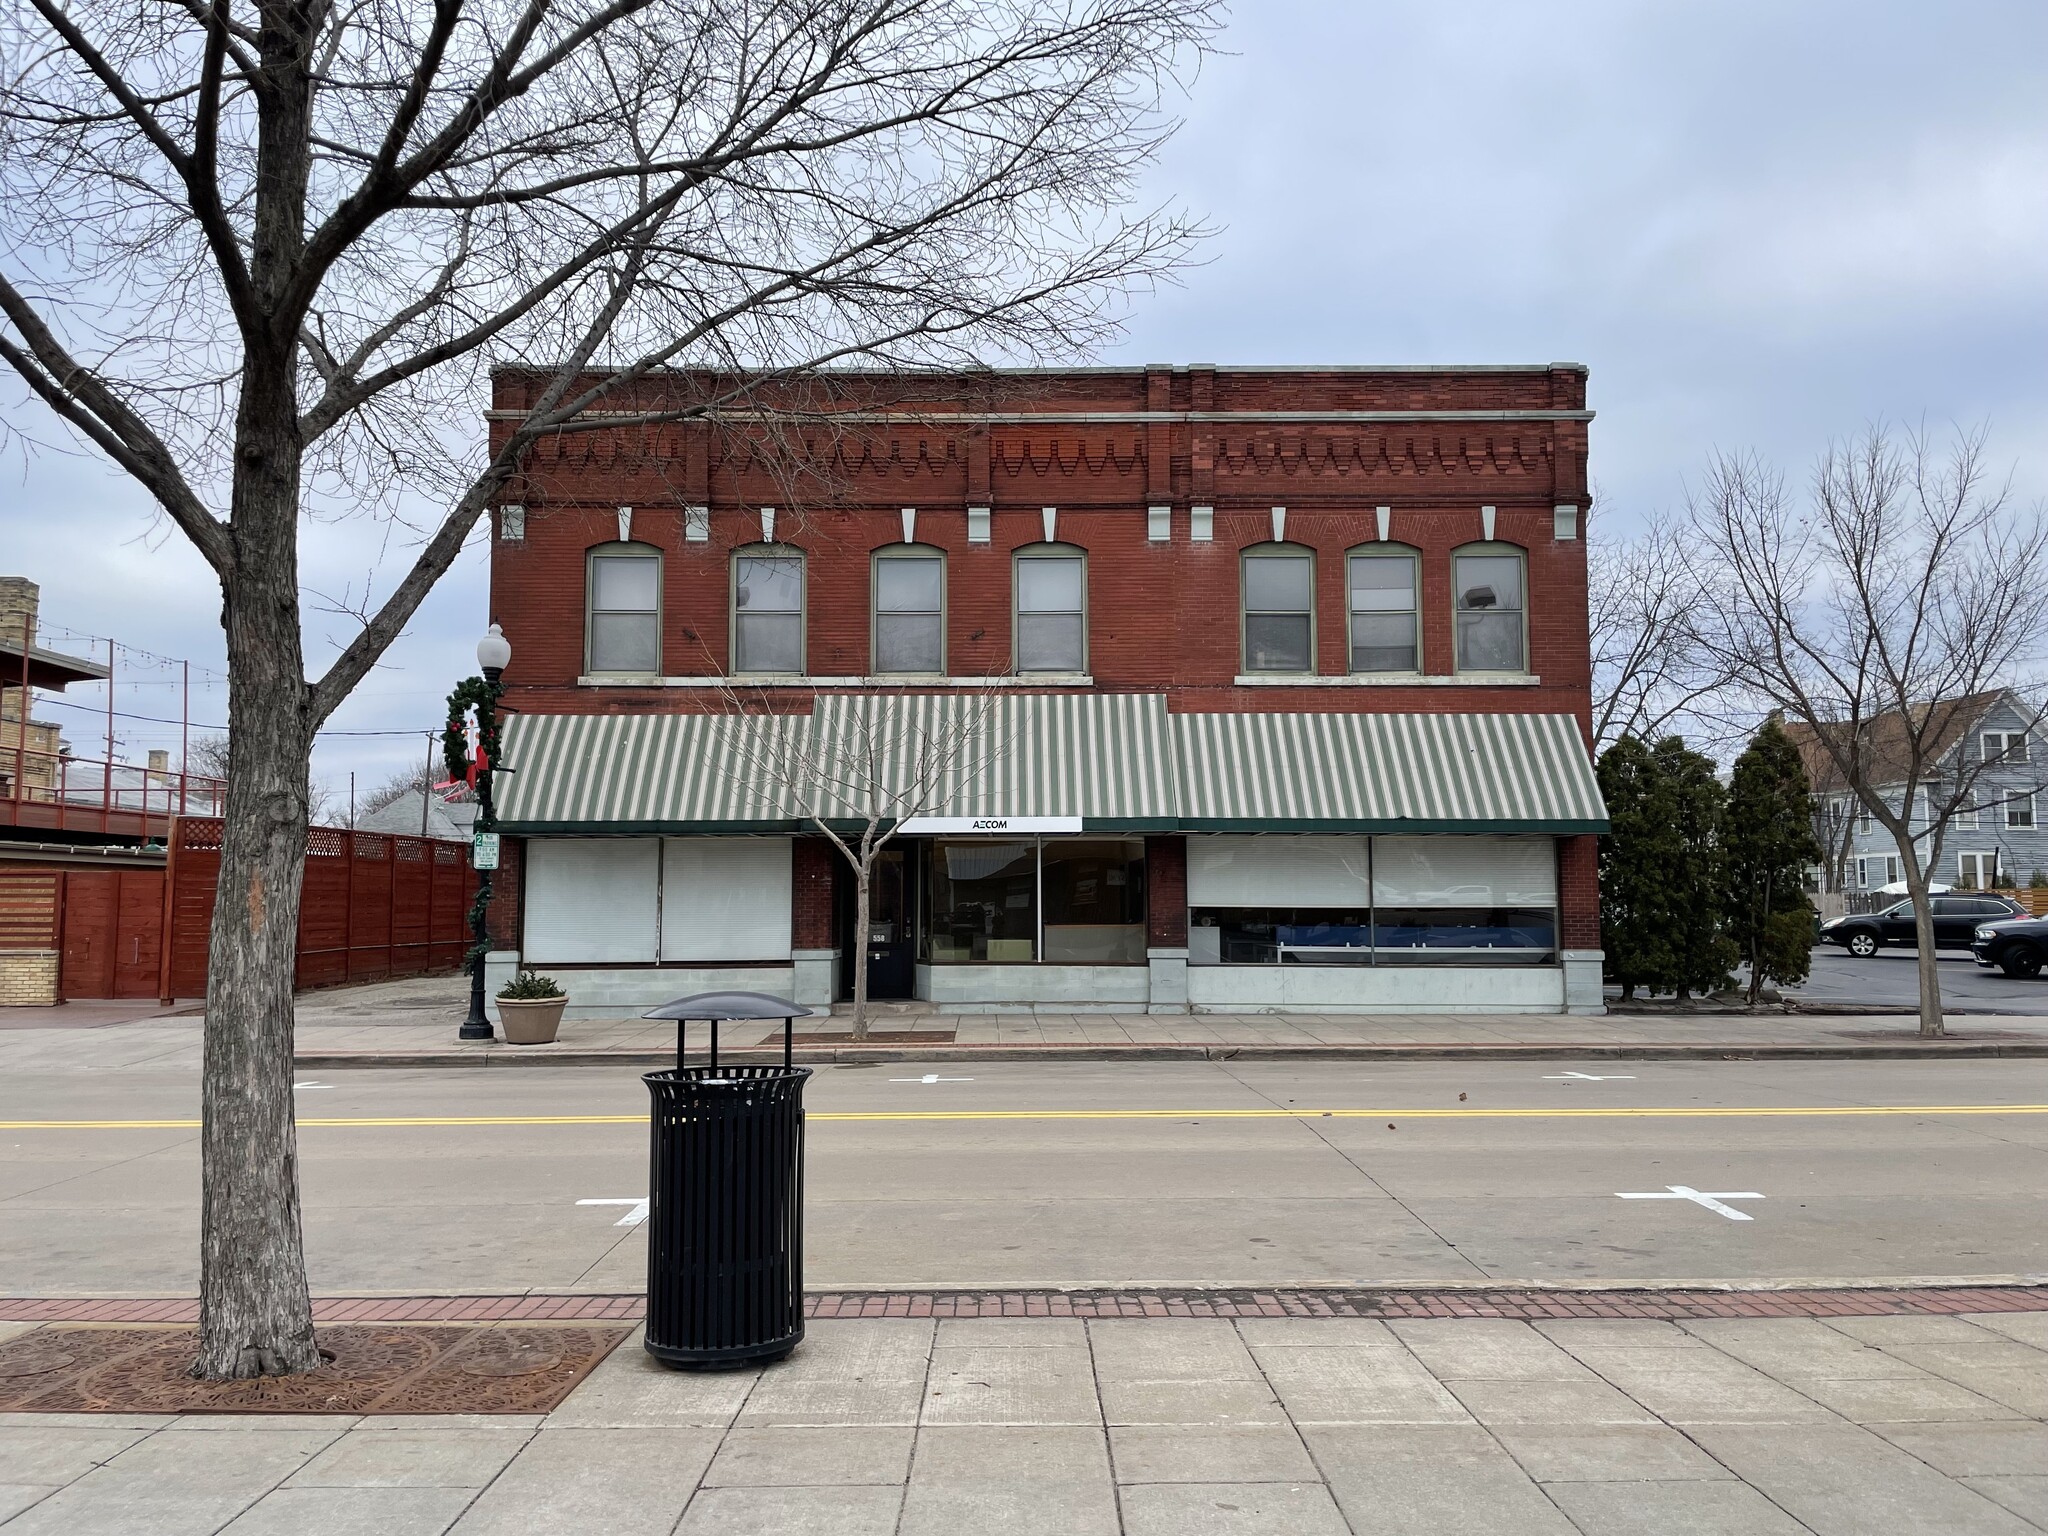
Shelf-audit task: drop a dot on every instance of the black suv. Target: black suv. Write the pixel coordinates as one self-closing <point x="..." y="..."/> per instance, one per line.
<point x="2017" y="945"/>
<point x="1957" y="918"/>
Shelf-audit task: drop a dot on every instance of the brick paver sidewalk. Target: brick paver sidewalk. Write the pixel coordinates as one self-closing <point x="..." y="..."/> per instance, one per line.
<point x="1253" y="1426"/>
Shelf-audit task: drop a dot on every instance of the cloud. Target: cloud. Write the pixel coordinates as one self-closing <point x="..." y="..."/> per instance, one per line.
<point x="1760" y="224"/>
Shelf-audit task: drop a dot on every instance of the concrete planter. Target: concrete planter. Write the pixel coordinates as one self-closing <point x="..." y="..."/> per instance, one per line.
<point x="532" y="1021"/>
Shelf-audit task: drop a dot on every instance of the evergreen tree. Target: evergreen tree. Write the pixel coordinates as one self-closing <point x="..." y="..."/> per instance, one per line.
<point x="1635" y="911"/>
<point x="1702" y="954"/>
<point x="1767" y="842"/>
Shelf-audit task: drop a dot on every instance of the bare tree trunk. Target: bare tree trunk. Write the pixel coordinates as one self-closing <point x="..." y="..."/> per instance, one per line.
<point x="255" y="1317"/>
<point x="863" y="869"/>
<point x="1923" y="932"/>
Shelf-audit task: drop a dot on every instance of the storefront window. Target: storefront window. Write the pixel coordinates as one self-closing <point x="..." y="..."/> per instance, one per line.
<point x="1463" y="935"/>
<point x="1452" y="900"/>
<point x="1066" y="901"/>
<point x="1279" y="936"/>
<point x="984" y="906"/>
<point x="1094" y="902"/>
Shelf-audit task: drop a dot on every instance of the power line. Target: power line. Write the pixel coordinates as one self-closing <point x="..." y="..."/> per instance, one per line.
<point x="201" y="725"/>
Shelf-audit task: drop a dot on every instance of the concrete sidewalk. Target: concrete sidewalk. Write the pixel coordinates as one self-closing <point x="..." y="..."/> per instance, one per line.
<point x="1169" y="1427"/>
<point x="413" y="1023"/>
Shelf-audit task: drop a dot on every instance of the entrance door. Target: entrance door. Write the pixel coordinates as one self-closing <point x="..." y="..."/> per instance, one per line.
<point x="892" y="956"/>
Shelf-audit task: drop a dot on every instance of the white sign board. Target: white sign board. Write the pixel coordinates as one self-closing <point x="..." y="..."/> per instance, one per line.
<point x="483" y="851"/>
<point x="998" y="825"/>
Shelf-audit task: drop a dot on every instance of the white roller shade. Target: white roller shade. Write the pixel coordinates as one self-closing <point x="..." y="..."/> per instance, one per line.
<point x="1278" y="871"/>
<point x="590" y="899"/>
<point x="1464" y="872"/>
<point x="725" y="898"/>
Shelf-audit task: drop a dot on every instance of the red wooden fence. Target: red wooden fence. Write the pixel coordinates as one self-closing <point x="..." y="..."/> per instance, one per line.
<point x="375" y="906"/>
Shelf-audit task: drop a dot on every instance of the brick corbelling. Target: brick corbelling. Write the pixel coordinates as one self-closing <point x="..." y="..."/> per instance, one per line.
<point x="1178" y="388"/>
<point x="1166" y="891"/>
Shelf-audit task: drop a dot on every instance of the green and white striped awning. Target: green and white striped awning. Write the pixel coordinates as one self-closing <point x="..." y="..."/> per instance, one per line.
<point x="1385" y="773"/>
<point x="1115" y="761"/>
<point x="1106" y="758"/>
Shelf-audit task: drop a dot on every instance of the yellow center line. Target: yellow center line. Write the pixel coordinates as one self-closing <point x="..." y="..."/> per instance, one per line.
<point x="1661" y="1112"/>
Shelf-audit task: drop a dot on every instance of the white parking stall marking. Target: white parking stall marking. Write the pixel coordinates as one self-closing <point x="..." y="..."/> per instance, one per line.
<point x="297" y="1086"/>
<point x="1587" y="1077"/>
<point x="632" y="1218"/>
<point x="1710" y="1199"/>
<point x="931" y="1077"/>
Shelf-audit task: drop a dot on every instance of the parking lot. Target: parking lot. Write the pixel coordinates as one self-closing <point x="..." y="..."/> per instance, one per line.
<point x="1891" y="978"/>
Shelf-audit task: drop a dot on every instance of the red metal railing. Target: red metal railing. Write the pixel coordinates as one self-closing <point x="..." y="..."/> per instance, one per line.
<point x="52" y="792"/>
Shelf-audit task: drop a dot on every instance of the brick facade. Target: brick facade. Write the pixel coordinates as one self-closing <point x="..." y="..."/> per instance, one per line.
<point x="1578" y="892"/>
<point x="28" y="978"/>
<point x="1162" y="614"/>
<point x="1166" y="892"/>
<point x="811" y="877"/>
<point x="502" y="920"/>
<point x="1434" y="459"/>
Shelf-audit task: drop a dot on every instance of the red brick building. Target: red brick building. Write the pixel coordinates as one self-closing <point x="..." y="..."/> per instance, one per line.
<point x="1221" y="688"/>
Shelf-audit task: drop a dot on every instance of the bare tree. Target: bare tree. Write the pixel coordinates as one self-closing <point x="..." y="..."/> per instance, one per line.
<point x="207" y="756"/>
<point x="856" y="768"/>
<point x="1652" y="676"/>
<point x="1877" y="616"/>
<point x="260" y="255"/>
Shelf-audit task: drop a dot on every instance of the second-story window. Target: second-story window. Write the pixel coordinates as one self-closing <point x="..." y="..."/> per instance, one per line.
<point x="1279" y="609"/>
<point x="622" y="632"/>
<point x="768" y="610"/>
<point x="1491" y="620"/>
<point x="1383" y="587"/>
<point x="910" y="610"/>
<point x="2005" y="746"/>
<point x="1052" y="609"/>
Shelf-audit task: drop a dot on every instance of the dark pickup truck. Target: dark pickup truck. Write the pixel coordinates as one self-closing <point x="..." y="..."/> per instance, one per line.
<point x="1957" y="917"/>
<point x="2015" y="945"/>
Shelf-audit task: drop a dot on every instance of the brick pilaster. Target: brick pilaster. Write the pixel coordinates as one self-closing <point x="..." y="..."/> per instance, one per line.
<point x="810" y="893"/>
<point x="1166" y="891"/>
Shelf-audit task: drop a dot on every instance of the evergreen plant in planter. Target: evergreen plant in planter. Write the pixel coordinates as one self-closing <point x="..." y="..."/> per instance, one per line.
<point x="530" y="1007"/>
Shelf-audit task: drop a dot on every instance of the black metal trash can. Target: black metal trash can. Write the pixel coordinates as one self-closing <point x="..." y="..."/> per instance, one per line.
<point x="725" y="1219"/>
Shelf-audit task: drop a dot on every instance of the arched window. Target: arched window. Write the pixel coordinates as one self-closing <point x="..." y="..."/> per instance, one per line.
<point x="1491" y="618"/>
<point x="622" y="610"/>
<point x="1278" y="582"/>
<point x="910" y="609"/>
<point x="1051" y="612"/>
<point x="768" y="609"/>
<point x="1384" y="585"/>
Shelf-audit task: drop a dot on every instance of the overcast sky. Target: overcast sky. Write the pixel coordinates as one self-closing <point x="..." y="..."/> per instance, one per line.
<point x="1760" y="224"/>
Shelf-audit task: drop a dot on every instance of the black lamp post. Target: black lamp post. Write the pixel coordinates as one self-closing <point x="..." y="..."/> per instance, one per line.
<point x="493" y="655"/>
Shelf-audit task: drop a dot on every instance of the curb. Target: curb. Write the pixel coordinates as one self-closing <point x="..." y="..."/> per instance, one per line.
<point x="1166" y="1050"/>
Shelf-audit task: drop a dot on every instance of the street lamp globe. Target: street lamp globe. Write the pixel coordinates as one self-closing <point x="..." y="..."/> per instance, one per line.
<point x="493" y="652"/>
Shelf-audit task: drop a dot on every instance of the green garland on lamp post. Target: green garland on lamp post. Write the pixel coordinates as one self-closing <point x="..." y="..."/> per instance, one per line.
<point x="478" y="695"/>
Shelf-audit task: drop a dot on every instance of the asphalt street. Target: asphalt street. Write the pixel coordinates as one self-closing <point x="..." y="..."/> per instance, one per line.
<point x="1891" y="977"/>
<point x="1092" y="1173"/>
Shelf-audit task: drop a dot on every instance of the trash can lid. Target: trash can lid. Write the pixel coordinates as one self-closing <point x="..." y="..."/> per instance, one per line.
<point x="729" y="1005"/>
